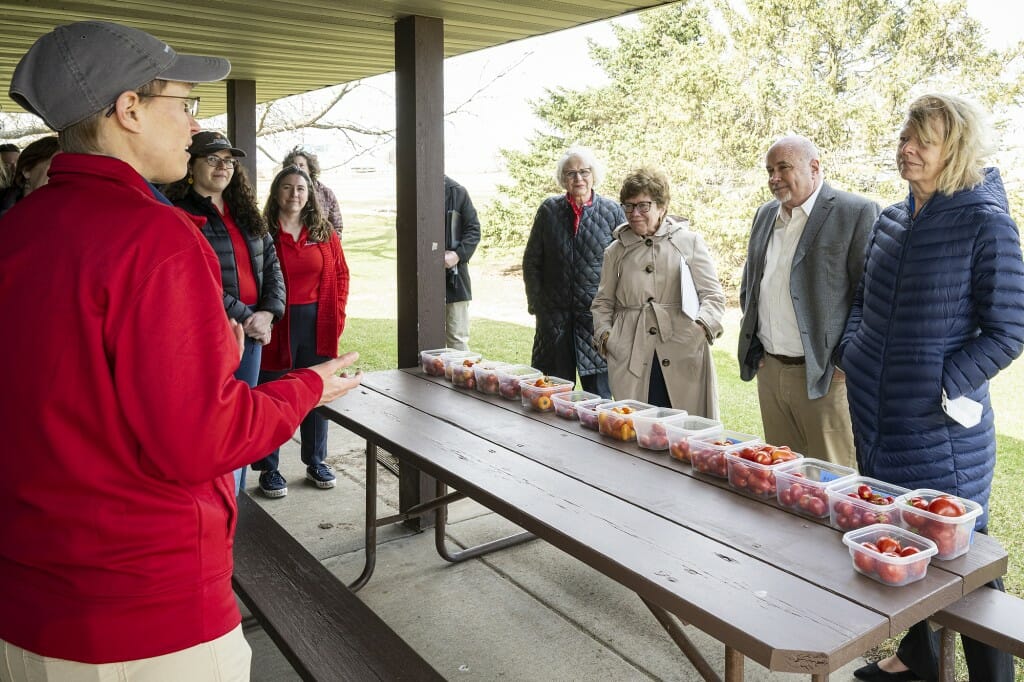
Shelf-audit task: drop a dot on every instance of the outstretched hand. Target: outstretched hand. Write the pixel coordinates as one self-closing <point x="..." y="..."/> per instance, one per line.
<point x="336" y="385"/>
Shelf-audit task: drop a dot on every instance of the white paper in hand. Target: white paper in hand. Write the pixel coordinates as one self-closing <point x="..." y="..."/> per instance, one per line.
<point x="687" y="291"/>
<point x="963" y="410"/>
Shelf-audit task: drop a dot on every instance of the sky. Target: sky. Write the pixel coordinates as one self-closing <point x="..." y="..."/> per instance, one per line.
<point x="500" y="115"/>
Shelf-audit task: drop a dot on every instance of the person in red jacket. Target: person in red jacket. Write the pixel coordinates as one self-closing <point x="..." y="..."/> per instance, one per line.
<point x="316" y="282"/>
<point x="122" y="421"/>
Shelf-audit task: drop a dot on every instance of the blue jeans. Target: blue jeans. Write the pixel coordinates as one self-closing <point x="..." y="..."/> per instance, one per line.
<point x="248" y="371"/>
<point x="313" y="430"/>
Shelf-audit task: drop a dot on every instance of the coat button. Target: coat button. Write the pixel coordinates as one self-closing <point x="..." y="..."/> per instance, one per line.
<point x="649" y="268"/>
<point x="648" y="241"/>
<point x="652" y="330"/>
<point x="665" y="363"/>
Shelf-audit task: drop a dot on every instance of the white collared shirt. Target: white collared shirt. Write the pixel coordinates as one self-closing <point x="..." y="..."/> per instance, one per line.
<point x="777" y="326"/>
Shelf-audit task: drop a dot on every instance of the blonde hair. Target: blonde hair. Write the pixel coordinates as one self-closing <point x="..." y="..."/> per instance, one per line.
<point x="958" y="128"/>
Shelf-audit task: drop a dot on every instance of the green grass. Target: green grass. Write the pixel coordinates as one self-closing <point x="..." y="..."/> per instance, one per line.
<point x="500" y="329"/>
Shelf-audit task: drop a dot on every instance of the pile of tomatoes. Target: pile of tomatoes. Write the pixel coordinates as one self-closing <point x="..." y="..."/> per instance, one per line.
<point x="805" y="497"/>
<point x="537" y="392"/>
<point x="750" y="467"/>
<point x="656" y="437"/>
<point x="950" y="536"/>
<point x="616" y="423"/>
<point x="463" y="374"/>
<point x="859" y="511"/>
<point x="878" y="562"/>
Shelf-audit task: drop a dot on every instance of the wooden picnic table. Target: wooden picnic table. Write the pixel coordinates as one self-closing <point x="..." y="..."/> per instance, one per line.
<point x="771" y="585"/>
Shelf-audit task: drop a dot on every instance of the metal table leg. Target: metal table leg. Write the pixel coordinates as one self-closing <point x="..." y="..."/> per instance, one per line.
<point x="675" y="631"/>
<point x="947" y="654"/>
<point x="370" y="534"/>
<point x="441" y="542"/>
<point x="439" y="503"/>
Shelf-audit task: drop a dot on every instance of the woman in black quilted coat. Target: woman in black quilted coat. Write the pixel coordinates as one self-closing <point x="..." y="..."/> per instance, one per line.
<point x="562" y="268"/>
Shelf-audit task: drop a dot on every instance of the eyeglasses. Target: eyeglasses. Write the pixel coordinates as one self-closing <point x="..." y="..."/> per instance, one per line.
<point x="219" y="162"/>
<point x="583" y="173"/>
<point x="191" y="104"/>
<point x="642" y="206"/>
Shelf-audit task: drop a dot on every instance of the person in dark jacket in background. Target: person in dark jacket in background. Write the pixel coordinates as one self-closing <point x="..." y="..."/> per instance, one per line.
<point x="31" y="171"/>
<point x="217" y="188"/>
<point x="457" y="291"/>
<point x="937" y="315"/>
<point x="562" y="269"/>
<point x="308" y="162"/>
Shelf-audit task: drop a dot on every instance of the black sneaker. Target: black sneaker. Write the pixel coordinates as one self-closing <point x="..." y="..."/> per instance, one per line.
<point x="321" y="475"/>
<point x="272" y="484"/>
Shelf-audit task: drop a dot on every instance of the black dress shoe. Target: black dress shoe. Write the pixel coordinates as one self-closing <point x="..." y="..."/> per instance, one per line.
<point x="872" y="673"/>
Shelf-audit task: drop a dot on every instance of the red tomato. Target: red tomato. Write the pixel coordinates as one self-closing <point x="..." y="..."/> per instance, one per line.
<point x="907" y="551"/>
<point x="946" y="506"/>
<point x="817" y="507"/>
<point x="887" y="544"/>
<point x="864" y="560"/>
<point x="892" y="574"/>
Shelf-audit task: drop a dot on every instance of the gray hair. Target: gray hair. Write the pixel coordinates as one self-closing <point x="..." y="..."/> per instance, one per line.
<point x="588" y="158"/>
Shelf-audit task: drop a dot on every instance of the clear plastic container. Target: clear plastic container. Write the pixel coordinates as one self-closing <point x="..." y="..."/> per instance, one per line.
<point x="537" y="393"/>
<point x="692" y="426"/>
<point x="952" y="535"/>
<point x="651" y="427"/>
<point x="586" y="412"/>
<point x="565" y="403"/>
<point x="615" y="419"/>
<point x="486" y="374"/>
<point x="900" y="566"/>
<point x="707" y="453"/>
<point x="848" y="508"/>
<point x="752" y="467"/>
<point x="800" y="485"/>
<point x="431" y="362"/>
<point x="464" y="373"/>
<point x="458" y="358"/>
<point x="509" y="378"/>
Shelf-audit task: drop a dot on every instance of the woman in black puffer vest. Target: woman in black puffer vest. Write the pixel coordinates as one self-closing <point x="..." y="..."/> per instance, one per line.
<point x="217" y="188"/>
<point x="562" y="268"/>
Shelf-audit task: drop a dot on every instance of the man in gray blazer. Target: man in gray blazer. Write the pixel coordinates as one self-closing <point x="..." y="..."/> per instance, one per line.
<point x="804" y="262"/>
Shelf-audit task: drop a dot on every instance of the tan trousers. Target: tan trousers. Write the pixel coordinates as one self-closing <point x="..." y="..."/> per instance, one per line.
<point x="815" y="428"/>
<point x="225" y="659"/>
<point x="456" y="325"/>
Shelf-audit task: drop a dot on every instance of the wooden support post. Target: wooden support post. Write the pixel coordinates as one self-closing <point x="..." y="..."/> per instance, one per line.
<point x="419" y="182"/>
<point x="241" y="96"/>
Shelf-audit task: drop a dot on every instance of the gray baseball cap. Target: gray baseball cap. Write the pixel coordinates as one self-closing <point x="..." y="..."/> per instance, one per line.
<point x="80" y="69"/>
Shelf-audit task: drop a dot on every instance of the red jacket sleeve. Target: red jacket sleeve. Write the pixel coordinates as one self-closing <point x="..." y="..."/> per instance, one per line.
<point x="176" y="359"/>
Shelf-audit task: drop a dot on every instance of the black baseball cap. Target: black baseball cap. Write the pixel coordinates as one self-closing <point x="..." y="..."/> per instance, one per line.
<point x="208" y="141"/>
<point x="79" y="69"/>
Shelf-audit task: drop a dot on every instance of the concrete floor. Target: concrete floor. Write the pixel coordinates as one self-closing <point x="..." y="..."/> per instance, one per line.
<point x="529" y="612"/>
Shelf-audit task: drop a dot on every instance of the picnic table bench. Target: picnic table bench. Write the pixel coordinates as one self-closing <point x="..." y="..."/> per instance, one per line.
<point x="772" y="586"/>
<point x="325" y="631"/>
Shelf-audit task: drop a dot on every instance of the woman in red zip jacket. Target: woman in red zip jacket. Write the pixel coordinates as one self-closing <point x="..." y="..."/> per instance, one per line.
<point x="316" y="281"/>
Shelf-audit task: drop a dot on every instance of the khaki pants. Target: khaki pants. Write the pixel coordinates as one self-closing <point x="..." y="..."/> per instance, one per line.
<point x="225" y="659"/>
<point x="456" y="325"/>
<point x="815" y="428"/>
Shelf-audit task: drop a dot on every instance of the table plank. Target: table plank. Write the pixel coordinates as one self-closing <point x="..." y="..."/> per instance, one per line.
<point x="772" y="616"/>
<point x="793" y="543"/>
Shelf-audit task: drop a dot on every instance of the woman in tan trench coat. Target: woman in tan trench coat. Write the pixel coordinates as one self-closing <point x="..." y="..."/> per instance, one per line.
<point x="656" y="352"/>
